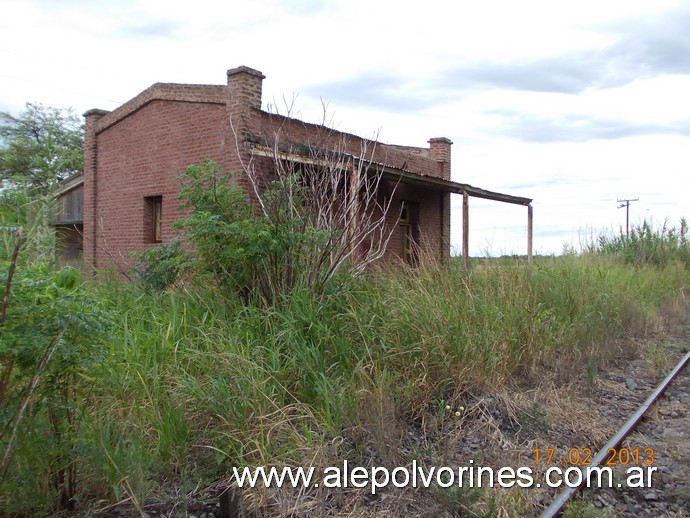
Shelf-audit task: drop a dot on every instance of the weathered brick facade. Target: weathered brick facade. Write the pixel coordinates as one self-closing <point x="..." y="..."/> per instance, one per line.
<point x="135" y="154"/>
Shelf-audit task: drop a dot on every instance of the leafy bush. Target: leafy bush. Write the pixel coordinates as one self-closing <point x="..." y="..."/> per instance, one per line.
<point x="51" y="335"/>
<point x="259" y="257"/>
<point x="229" y="240"/>
<point x="160" y="267"/>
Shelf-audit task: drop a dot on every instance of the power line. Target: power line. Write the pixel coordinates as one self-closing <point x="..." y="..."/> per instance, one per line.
<point x="626" y="203"/>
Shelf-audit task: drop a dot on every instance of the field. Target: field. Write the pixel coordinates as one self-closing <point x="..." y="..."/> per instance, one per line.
<point x="115" y="397"/>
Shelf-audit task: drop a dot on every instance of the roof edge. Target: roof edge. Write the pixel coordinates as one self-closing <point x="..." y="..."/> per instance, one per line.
<point x="212" y="94"/>
<point x="68" y="184"/>
<point x="397" y="174"/>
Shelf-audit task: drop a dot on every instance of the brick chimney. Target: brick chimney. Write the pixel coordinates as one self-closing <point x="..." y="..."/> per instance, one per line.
<point x="244" y="84"/>
<point x="90" y="200"/>
<point x="439" y="150"/>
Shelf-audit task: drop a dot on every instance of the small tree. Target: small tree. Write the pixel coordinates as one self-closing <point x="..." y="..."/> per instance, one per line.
<point x="325" y="192"/>
<point x="246" y="252"/>
<point x="228" y="239"/>
<point x="40" y="146"/>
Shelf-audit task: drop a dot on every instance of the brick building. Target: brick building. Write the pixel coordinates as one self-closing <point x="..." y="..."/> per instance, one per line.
<point x="135" y="154"/>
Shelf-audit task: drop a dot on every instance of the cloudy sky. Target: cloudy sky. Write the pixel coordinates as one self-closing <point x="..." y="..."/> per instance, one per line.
<point x="573" y="104"/>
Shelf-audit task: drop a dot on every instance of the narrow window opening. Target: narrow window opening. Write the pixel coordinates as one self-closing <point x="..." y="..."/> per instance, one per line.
<point x="153" y="219"/>
<point x="409" y="229"/>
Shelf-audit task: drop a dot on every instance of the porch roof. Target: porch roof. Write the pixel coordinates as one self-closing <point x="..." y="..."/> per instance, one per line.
<point x="451" y="186"/>
<point x="392" y="173"/>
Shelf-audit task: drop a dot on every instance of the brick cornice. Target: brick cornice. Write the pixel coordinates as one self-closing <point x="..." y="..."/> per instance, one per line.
<point x="212" y="94"/>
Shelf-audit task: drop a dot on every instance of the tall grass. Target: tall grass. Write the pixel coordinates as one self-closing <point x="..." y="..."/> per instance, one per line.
<point x="646" y="245"/>
<point x="32" y="215"/>
<point x="193" y="381"/>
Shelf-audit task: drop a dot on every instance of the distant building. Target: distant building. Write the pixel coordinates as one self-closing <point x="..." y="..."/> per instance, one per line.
<point x="69" y="220"/>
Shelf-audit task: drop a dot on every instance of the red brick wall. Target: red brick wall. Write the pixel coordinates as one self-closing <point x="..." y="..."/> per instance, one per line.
<point x="416" y="160"/>
<point x="431" y="222"/>
<point x="143" y="155"/>
<point x="140" y="150"/>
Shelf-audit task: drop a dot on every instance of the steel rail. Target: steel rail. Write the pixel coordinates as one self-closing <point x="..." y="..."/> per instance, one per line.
<point x="616" y="440"/>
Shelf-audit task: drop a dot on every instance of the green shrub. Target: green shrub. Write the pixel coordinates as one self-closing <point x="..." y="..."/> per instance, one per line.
<point x="52" y="335"/>
<point x="159" y="267"/>
<point x="262" y="258"/>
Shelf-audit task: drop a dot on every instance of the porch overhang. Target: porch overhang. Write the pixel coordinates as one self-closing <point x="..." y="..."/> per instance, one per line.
<point x="408" y="177"/>
<point x="395" y="174"/>
<point x="450" y="186"/>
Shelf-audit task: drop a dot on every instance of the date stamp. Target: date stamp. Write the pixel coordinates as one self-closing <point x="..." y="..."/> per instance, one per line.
<point x="583" y="456"/>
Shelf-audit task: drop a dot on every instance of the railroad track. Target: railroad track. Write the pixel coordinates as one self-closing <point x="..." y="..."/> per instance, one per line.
<point x="671" y="494"/>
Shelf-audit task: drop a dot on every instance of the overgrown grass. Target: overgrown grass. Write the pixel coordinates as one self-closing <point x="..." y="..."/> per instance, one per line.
<point x="647" y="245"/>
<point x="32" y="215"/>
<point x="194" y="382"/>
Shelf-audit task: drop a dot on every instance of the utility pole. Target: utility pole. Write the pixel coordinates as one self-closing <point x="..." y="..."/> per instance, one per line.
<point x="626" y="203"/>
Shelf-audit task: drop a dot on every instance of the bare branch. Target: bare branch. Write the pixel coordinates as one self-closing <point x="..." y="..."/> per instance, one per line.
<point x="324" y="191"/>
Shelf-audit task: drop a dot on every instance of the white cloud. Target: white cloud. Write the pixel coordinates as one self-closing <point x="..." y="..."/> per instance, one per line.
<point x="615" y="124"/>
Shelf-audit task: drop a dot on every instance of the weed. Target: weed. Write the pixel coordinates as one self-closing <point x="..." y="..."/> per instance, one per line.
<point x="468" y="501"/>
<point x="578" y="508"/>
<point x="645" y="245"/>
<point x="683" y="348"/>
<point x="656" y="359"/>
<point x="534" y="419"/>
<point x="592" y="368"/>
